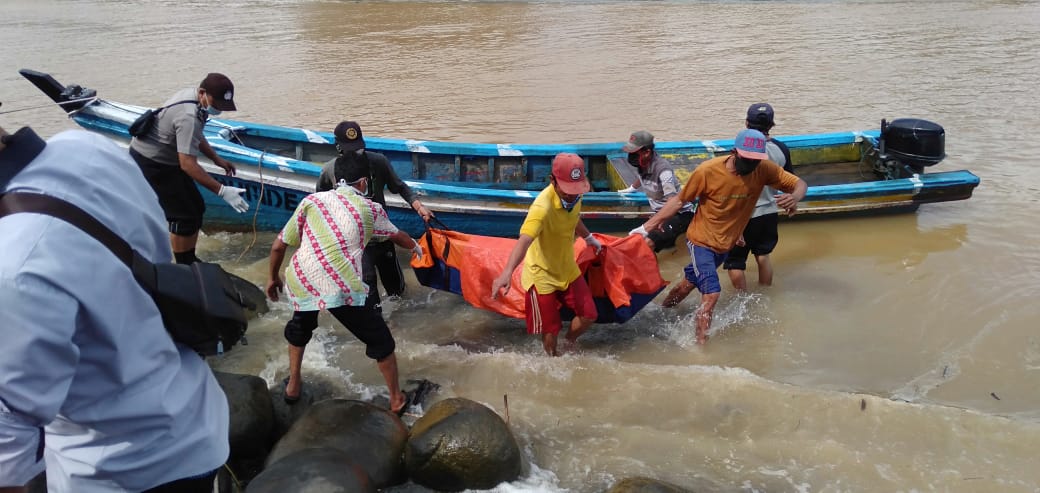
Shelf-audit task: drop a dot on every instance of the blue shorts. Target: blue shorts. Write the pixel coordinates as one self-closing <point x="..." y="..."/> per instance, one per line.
<point x="702" y="271"/>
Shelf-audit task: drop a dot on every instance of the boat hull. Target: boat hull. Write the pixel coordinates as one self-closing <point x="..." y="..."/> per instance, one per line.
<point x="486" y="189"/>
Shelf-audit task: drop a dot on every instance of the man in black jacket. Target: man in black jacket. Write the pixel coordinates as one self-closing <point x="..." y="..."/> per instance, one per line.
<point x="380" y="256"/>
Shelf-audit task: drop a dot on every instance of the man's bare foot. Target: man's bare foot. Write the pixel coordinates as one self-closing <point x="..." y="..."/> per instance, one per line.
<point x="702" y="337"/>
<point x="398" y="403"/>
<point x="678" y="293"/>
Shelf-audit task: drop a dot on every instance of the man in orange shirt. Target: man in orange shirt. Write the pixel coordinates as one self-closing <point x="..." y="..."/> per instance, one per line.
<point x="726" y="189"/>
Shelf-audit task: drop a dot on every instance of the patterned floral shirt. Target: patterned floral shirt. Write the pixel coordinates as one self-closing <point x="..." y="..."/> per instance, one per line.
<point x="331" y="230"/>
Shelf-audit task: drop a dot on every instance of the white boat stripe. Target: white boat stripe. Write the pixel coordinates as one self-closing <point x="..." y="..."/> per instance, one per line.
<point x="918" y="184"/>
<point x="314" y="137"/>
<point x="507" y="150"/>
<point x="417" y="146"/>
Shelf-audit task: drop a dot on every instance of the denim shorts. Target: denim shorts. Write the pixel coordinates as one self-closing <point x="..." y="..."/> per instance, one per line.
<point x="702" y="271"/>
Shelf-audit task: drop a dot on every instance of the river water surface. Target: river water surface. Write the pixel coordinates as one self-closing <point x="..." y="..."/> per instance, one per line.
<point x="895" y="353"/>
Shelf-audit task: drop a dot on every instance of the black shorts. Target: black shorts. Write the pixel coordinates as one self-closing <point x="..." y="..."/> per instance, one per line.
<point x="760" y="238"/>
<point x="178" y="195"/>
<point x="365" y="322"/>
<point x="670" y="230"/>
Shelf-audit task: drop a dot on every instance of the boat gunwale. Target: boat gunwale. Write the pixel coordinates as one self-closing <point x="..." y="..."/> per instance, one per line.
<point x="111" y="117"/>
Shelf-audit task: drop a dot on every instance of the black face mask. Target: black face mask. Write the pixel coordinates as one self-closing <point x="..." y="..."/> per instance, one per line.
<point x="745" y="166"/>
<point x="633" y="159"/>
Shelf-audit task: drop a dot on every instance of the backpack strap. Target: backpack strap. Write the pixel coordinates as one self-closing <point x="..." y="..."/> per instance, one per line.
<point x="16" y="202"/>
<point x="180" y="102"/>
<point x="142" y="269"/>
<point x="159" y="110"/>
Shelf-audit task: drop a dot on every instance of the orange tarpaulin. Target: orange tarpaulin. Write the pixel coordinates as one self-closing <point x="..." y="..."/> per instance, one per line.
<point x="622" y="278"/>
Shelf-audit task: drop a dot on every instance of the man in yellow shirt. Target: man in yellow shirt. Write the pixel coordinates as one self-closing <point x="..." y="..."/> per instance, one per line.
<point x="551" y="276"/>
<point x="726" y="188"/>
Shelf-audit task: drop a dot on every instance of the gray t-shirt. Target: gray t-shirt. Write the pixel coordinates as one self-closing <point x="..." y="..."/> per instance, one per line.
<point x="767" y="201"/>
<point x="177" y="129"/>
<point x="659" y="183"/>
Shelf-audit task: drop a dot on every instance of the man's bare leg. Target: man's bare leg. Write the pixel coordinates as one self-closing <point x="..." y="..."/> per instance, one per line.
<point x="292" y="389"/>
<point x="704" y="313"/>
<point x="579" y="326"/>
<point x="736" y="277"/>
<point x="388" y="367"/>
<point x="549" y="344"/>
<point x="765" y="270"/>
<point x="678" y="293"/>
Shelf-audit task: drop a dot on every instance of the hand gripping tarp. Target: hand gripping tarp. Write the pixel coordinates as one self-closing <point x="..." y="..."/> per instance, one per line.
<point x="623" y="278"/>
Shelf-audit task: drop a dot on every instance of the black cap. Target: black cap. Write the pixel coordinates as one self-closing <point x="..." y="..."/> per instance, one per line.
<point x="760" y="114"/>
<point x="348" y="136"/>
<point x="222" y="90"/>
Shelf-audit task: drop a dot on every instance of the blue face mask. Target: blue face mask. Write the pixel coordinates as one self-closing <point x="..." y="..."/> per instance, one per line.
<point x="570" y="205"/>
<point x="213" y="111"/>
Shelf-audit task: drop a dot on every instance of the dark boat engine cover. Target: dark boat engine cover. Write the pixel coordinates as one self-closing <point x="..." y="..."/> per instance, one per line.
<point x="913" y="142"/>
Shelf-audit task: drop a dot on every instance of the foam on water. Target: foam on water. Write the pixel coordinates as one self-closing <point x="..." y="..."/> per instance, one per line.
<point x="736" y="310"/>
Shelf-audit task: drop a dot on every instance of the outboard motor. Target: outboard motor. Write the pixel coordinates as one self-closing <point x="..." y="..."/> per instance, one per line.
<point x="910" y="144"/>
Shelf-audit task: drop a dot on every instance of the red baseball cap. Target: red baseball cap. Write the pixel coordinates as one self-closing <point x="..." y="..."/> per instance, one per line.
<point x="569" y="171"/>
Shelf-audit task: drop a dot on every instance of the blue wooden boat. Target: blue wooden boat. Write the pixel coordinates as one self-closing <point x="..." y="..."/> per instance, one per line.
<point x="486" y="189"/>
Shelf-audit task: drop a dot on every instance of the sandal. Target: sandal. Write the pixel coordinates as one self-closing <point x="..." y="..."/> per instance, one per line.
<point x="404" y="407"/>
<point x="290" y="400"/>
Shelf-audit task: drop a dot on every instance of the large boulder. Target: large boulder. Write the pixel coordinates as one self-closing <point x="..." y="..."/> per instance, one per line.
<point x="252" y="413"/>
<point x="371" y="437"/>
<point x="286" y="414"/>
<point x="460" y="444"/>
<point x="313" y="470"/>
<point x="252" y="424"/>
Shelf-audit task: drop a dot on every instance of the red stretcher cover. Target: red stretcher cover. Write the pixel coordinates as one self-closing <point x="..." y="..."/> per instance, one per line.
<point x="623" y="278"/>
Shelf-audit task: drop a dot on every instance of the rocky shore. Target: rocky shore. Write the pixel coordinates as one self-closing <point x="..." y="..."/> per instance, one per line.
<point x="342" y="445"/>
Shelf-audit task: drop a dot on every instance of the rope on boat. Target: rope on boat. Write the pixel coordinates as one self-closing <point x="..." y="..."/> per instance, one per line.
<point x="71" y="101"/>
<point x="259" y="201"/>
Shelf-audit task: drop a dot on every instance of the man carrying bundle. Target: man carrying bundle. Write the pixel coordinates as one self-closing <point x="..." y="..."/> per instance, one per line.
<point x="726" y="189"/>
<point x="331" y="230"/>
<point x="551" y="276"/>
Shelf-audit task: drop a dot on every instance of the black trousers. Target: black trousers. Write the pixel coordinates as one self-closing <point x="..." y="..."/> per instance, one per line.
<point x="381" y="257"/>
